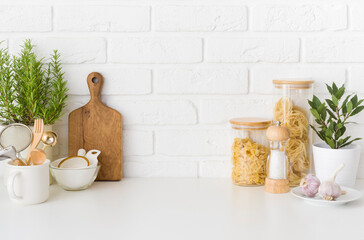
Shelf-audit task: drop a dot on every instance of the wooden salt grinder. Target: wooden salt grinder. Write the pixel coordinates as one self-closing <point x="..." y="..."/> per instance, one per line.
<point x="276" y="181"/>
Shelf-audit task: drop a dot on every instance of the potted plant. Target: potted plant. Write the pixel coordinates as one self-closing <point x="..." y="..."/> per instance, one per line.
<point x="31" y="88"/>
<point x="332" y="117"/>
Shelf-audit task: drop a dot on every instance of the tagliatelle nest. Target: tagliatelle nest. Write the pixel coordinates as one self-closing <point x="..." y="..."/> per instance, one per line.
<point x="249" y="162"/>
<point x="295" y="119"/>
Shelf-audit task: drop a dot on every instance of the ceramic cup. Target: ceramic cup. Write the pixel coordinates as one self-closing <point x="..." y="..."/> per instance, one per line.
<point x="28" y="184"/>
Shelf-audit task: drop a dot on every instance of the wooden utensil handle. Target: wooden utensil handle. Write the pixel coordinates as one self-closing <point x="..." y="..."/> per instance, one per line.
<point x="95" y="81"/>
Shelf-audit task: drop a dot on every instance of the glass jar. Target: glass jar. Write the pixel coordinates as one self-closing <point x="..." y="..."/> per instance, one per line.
<point x="249" y="151"/>
<point x="293" y="111"/>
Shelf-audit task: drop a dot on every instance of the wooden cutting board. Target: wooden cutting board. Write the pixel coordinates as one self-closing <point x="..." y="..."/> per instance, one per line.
<point x="97" y="126"/>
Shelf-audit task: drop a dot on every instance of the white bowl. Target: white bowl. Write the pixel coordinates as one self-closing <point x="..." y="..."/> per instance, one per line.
<point x="74" y="178"/>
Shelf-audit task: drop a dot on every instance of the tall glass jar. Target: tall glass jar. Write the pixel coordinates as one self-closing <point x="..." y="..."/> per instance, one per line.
<point x="249" y="151"/>
<point x="292" y="110"/>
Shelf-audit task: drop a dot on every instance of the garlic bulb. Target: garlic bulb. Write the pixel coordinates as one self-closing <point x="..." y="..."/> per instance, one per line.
<point x="309" y="185"/>
<point x="330" y="190"/>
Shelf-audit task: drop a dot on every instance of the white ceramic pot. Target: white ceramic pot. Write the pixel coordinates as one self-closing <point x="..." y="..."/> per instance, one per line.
<point x="326" y="160"/>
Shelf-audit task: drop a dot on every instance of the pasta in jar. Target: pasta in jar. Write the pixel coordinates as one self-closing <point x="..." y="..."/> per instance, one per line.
<point x="249" y="151"/>
<point x="291" y="110"/>
<point x="249" y="162"/>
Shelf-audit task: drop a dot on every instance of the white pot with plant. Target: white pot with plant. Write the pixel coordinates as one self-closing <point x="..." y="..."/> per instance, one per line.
<point x="332" y="117"/>
<point x="31" y="89"/>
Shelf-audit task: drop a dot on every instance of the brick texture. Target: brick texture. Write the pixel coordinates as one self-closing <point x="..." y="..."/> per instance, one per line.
<point x="235" y="50"/>
<point x="102" y="18"/>
<point x="178" y="71"/>
<point x="299" y="17"/>
<point x="200" y="18"/>
<point x="155" y="50"/>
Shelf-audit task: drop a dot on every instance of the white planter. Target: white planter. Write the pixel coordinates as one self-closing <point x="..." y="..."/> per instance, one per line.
<point x="326" y="160"/>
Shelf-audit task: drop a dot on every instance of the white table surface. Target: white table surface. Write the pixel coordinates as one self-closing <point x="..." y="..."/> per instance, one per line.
<point x="168" y="209"/>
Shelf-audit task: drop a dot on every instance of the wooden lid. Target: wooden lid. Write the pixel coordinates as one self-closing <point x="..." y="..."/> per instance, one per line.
<point x="250" y="123"/>
<point x="293" y="83"/>
<point x="277" y="133"/>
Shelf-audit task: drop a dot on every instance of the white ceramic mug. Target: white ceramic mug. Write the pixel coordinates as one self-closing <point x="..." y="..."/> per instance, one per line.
<point x="28" y="184"/>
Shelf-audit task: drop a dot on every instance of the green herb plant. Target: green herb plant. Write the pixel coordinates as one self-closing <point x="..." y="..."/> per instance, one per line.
<point x="333" y="117"/>
<point x="31" y="88"/>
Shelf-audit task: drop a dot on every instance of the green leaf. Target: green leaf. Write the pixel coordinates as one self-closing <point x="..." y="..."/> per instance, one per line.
<point x="340" y="92"/>
<point x="334" y="88"/>
<point x="318" y="133"/>
<point x="357" y="110"/>
<point x="329" y="89"/>
<point x="335" y="100"/>
<point x="316" y="101"/>
<point x="344" y="109"/>
<point x="331" y="104"/>
<point x="346" y="100"/>
<point x="330" y="142"/>
<point x="340" y="132"/>
<point x="354" y="100"/>
<point x="322" y="111"/>
<point x="328" y="133"/>
<point x="331" y="114"/>
<point x="315" y="113"/>
<point x="349" y="106"/>
<point x="358" y="103"/>
<point x="346" y="139"/>
<point x="332" y="126"/>
<point x="312" y="105"/>
<point x="350" y="142"/>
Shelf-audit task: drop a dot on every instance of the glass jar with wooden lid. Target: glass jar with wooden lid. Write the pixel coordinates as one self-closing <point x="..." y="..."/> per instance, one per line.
<point x="249" y="150"/>
<point x="293" y="111"/>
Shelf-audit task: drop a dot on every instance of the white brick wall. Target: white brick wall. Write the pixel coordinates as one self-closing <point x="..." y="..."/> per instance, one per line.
<point x="179" y="70"/>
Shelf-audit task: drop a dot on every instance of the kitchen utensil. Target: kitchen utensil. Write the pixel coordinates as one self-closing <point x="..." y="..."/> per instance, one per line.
<point x="37" y="135"/>
<point x="28" y="184"/>
<point x="8" y="152"/>
<point x="81" y="152"/>
<point x="38" y="156"/>
<point x="96" y="126"/>
<point x="74" y="178"/>
<point x="11" y="153"/>
<point x="92" y="156"/>
<point x="74" y="162"/>
<point x="349" y="196"/>
<point x="49" y="139"/>
<point x="7" y="139"/>
<point x="277" y="164"/>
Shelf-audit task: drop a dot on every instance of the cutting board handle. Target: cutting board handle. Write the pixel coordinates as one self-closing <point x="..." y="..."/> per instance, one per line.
<point x="95" y="81"/>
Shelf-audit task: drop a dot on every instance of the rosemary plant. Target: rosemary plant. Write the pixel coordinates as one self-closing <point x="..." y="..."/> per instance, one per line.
<point x="30" y="88"/>
<point x="333" y="117"/>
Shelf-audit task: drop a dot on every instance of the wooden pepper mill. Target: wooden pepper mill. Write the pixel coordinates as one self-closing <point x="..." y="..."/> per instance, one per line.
<point x="277" y="167"/>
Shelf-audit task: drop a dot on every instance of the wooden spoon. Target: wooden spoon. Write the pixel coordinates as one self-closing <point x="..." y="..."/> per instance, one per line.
<point x="38" y="157"/>
<point x="37" y="135"/>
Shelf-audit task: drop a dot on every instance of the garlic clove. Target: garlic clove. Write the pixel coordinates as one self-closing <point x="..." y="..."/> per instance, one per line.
<point x="309" y="185"/>
<point x="330" y="190"/>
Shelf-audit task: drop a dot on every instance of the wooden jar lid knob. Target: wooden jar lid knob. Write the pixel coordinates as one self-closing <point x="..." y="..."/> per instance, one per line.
<point x="277" y="133"/>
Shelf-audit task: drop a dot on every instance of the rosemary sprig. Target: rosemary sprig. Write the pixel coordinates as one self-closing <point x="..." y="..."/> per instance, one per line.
<point x="31" y="88"/>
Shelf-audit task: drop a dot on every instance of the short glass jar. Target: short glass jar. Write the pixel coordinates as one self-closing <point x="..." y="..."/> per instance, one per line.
<point x="293" y="111"/>
<point x="249" y="151"/>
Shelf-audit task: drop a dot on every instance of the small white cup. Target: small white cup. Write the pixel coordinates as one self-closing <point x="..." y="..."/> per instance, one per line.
<point x="28" y="184"/>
